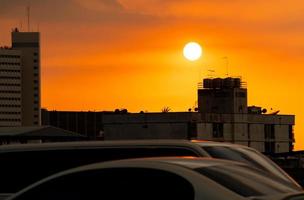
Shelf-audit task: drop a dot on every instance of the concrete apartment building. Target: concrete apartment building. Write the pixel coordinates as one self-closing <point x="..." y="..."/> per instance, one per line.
<point x="10" y="87"/>
<point x="20" y="80"/>
<point x="223" y="115"/>
<point x="29" y="45"/>
<point x="226" y="116"/>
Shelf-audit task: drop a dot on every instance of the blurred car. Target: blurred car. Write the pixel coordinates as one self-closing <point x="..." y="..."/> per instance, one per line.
<point x="24" y="164"/>
<point x="246" y="155"/>
<point x="158" y="178"/>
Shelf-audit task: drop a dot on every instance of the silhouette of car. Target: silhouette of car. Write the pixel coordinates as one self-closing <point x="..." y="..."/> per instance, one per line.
<point x="24" y="164"/>
<point x="248" y="155"/>
<point x="158" y="178"/>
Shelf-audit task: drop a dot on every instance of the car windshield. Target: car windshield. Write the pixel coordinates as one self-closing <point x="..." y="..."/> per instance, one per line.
<point x="296" y="197"/>
<point x="244" y="180"/>
<point x="246" y="155"/>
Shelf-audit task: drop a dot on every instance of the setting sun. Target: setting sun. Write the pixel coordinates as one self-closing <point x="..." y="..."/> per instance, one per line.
<point x="192" y="51"/>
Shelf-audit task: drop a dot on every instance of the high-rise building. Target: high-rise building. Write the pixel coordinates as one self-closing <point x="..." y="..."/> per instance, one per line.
<point x="29" y="45"/>
<point x="20" y="80"/>
<point x="10" y="87"/>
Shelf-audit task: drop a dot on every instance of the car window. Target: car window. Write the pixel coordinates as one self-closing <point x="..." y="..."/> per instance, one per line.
<point x="245" y="180"/>
<point x="295" y="197"/>
<point x="248" y="156"/>
<point x="231" y="154"/>
<point x="20" y="169"/>
<point x="113" y="184"/>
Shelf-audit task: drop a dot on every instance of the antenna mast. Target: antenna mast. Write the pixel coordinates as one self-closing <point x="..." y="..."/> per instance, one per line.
<point x="28" y="17"/>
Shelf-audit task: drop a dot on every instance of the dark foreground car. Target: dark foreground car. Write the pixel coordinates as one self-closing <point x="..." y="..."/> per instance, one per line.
<point x="158" y="178"/>
<point x="244" y="154"/>
<point x="22" y="165"/>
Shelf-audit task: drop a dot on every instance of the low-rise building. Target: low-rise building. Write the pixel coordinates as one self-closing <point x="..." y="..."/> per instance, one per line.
<point x="223" y="115"/>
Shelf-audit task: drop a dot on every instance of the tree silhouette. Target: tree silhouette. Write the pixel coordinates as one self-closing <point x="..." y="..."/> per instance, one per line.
<point x="166" y="109"/>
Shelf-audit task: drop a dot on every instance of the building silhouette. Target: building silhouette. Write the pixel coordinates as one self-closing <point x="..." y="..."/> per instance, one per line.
<point x="223" y="115"/>
<point x="20" y="80"/>
<point x="226" y="116"/>
<point x="29" y="45"/>
<point x="10" y="87"/>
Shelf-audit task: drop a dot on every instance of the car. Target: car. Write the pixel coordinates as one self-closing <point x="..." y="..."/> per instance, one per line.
<point x="24" y="164"/>
<point x="247" y="155"/>
<point x="188" y="178"/>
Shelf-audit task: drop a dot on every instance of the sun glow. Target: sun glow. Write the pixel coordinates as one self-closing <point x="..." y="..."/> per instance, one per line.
<point x="192" y="51"/>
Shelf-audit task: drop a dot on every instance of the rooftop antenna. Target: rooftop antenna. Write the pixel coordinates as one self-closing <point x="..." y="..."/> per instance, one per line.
<point x="227" y="65"/>
<point x="211" y="73"/>
<point x="20" y="25"/>
<point x="28" y="9"/>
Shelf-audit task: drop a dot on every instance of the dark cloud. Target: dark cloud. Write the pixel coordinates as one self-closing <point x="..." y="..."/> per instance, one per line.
<point x="74" y="11"/>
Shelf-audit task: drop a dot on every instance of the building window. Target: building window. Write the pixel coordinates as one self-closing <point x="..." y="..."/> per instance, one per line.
<point x="35" y="74"/>
<point x="218" y="130"/>
<point x="35" y="54"/>
<point x="35" y="60"/>
<point x="248" y="131"/>
<point x="192" y="130"/>
<point x="35" y="67"/>
<point x="240" y="94"/>
<point x="269" y="131"/>
<point x="269" y="147"/>
<point x="290" y="132"/>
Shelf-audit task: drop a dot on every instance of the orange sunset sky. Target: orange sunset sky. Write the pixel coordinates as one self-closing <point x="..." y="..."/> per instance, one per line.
<point x="107" y="54"/>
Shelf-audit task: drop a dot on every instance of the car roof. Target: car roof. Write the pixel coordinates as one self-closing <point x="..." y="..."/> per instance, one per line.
<point x="204" y="143"/>
<point x="192" y="162"/>
<point x="149" y="163"/>
<point x="182" y="161"/>
<point x="103" y="144"/>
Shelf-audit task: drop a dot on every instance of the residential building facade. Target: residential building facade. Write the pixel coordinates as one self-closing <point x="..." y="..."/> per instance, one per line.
<point x="20" y="96"/>
<point x="10" y="87"/>
<point x="29" y="44"/>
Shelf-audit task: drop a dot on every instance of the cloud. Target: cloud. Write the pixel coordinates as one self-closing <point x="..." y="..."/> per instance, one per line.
<point x="73" y="11"/>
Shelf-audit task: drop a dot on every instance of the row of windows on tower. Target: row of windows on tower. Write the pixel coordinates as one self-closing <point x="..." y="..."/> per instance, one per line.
<point x="10" y="91"/>
<point x="10" y="70"/>
<point x="10" y="77"/>
<point x="10" y="63"/>
<point x="15" y="63"/>
<point x="10" y="98"/>
<point x="9" y="56"/>
<point x="9" y="106"/>
<point x="10" y="84"/>
<point x="10" y="113"/>
<point x="10" y="120"/>
<point x="15" y="56"/>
